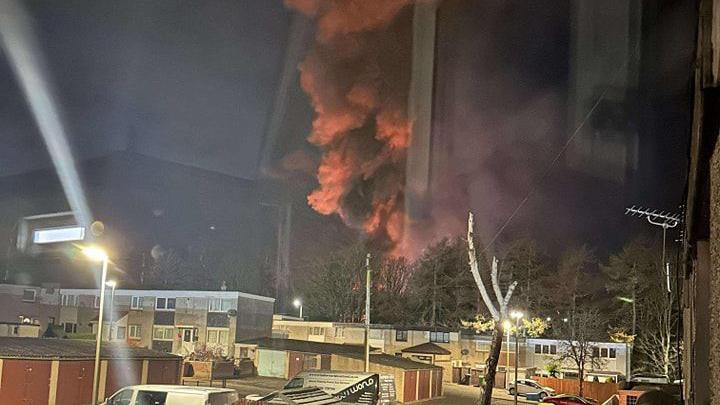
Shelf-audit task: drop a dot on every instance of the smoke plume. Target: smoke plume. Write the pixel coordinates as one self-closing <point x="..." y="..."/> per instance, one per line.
<point x="357" y="76"/>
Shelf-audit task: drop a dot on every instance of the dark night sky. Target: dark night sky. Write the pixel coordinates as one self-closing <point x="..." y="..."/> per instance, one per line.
<point x="193" y="82"/>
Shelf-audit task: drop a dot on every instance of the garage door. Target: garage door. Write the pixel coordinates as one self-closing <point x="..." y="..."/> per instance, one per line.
<point x="271" y="363"/>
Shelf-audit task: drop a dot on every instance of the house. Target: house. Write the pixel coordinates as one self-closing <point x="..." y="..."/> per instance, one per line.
<point x="285" y="358"/>
<point x="60" y="371"/>
<point x="173" y="321"/>
<point x="453" y="349"/>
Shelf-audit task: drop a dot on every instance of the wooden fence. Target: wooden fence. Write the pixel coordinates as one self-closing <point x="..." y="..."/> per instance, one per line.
<point x="596" y="390"/>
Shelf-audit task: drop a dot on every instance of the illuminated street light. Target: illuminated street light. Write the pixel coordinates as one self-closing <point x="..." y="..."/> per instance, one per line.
<point x="516" y="315"/>
<point x="548" y="319"/>
<point x="99" y="255"/>
<point x="298" y="304"/>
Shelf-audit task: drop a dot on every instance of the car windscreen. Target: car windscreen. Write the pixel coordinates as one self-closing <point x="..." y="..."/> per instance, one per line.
<point x="223" y="398"/>
<point x="295" y="383"/>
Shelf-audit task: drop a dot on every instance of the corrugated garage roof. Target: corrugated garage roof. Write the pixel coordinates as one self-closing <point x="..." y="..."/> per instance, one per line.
<point x="37" y="348"/>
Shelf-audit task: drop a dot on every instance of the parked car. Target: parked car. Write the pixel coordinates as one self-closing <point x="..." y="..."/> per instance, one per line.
<point x="565" y="399"/>
<point x="172" y="395"/>
<point x="528" y="386"/>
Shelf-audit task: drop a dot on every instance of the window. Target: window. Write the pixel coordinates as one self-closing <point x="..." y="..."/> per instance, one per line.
<point x="120" y="333"/>
<point x="538" y="349"/>
<point x="165" y="304"/>
<point x="339" y="332"/>
<point x="596" y="352"/>
<point x="29" y="295"/>
<point x="217" y="336"/>
<point x="134" y="331"/>
<point x="604" y="352"/>
<point x="122" y="398"/>
<point x="163" y="333"/>
<point x="553" y="349"/>
<point x="401" y="335"/>
<point x="16" y="330"/>
<point x="69" y="300"/>
<point x="310" y="362"/>
<point x="70" y="327"/>
<point x="219" y="305"/>
<point x="317" y="331"/>
<point x="150" y="398"/>
<point x="546" y="349"/>
<point x="440" y="337"/>
<point x="136" y="302"/>
<point x="51" y="320"/>
<point x="613" y="353"/>
<point x="96" y="304"/>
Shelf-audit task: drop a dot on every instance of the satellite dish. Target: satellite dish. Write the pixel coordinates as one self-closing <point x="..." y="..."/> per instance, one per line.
<point x="232" y="312"/>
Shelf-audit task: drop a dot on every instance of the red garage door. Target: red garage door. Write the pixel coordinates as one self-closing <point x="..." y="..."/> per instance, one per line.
<point x="423" y="384"/>
<point x="122" y="373"/>
<point x="74" y="384"/>
<point x="163" y="372"/>
<point x="437" y="383"/>
<point x="410" y="386"/>
<point x="25" y="382"/>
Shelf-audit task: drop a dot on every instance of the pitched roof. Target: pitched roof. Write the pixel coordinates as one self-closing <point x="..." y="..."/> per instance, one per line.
<point x="426" y="348"/>
<point x="305" y="346"/>
<point x="38" y="348"/>
<point x="389" y="360"/>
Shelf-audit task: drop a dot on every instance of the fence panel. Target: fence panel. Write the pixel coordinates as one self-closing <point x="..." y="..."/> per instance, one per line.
<point x="596" y="390"/>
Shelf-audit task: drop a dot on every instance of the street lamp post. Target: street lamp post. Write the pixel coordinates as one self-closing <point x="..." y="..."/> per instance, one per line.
<point x="517" y="315"/>
<point x="298" y="304"/>
<point x="507" y="325"/>
<point x="112" y="285"/>
<point x="97" y="254"/>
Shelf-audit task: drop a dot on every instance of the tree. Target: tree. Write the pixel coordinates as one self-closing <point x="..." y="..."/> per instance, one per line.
<point x="441" y="287"/>
<point x="498" y="312"/>
<point x="335" y="289"/>
<point x="571" y="284"/>
<point x="626" y="274"/>
<point x="584" y="326"/>
<point x="523" y="262"/>
<point x="390" y="290"/>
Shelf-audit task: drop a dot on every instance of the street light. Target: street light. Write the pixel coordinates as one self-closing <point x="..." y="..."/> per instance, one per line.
<point x="506" y="326"/>
<point x="98" y="255"/>
<point x="298" y="304"/>
<point x="516" y="315"/>
<point x="112" y="284"/>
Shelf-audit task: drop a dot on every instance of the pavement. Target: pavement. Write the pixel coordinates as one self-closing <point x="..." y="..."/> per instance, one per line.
<point x="452" y="393"/>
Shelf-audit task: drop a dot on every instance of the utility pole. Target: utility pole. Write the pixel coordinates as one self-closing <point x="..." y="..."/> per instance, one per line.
<point x="367" y="313"/>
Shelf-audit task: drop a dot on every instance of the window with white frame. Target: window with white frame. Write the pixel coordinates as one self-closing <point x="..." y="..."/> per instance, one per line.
<point x="317" y="331"/>
<point x="604" y="352"/>
<point x="69" y="300"/>
<point x="29" y="295"/>
<point x="165" y="304"/>
<point x="134" y="332"/>
<point x="136" y="302"/>
<point x="70" y="327"/>
<point x="217" y="336"/>
<point x="545" y="349"/>
<point x="440" y="337"/>
<point x="339" y="332"/>
<point x="163" y="333"/>
<point x="401" y="336"/>
<point x="219" y="305"/>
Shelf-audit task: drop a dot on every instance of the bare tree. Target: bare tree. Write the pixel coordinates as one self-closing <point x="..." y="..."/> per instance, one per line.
<point x="498" y="312"/>
<point x="656" y="343"/>
<point x="584" y="326"/>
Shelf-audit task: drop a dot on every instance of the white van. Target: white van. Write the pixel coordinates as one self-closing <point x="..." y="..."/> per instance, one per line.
<point x="172" y="395"/>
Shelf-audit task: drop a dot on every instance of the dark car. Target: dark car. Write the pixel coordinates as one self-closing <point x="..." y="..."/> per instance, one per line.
<point x="565" y="399"/>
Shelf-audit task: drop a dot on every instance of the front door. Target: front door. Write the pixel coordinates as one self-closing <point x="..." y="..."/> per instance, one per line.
<point x="188" y="340"/>
<point x="188" y="335"/>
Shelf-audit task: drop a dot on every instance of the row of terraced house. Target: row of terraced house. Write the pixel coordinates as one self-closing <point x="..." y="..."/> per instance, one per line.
<point x="173" y="321"/>
<point x="459" y="351"/>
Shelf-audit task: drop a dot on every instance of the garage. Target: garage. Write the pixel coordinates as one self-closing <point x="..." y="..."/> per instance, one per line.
<point x="60" y="371"/>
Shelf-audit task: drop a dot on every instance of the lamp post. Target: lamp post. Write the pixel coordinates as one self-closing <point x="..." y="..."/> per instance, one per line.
<point x="507" y="325"/>
<point x="517" y="315"/>
<point x="112" y="285"/>
<point x="98" y="255"/>
<point x="298" y="304"/>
